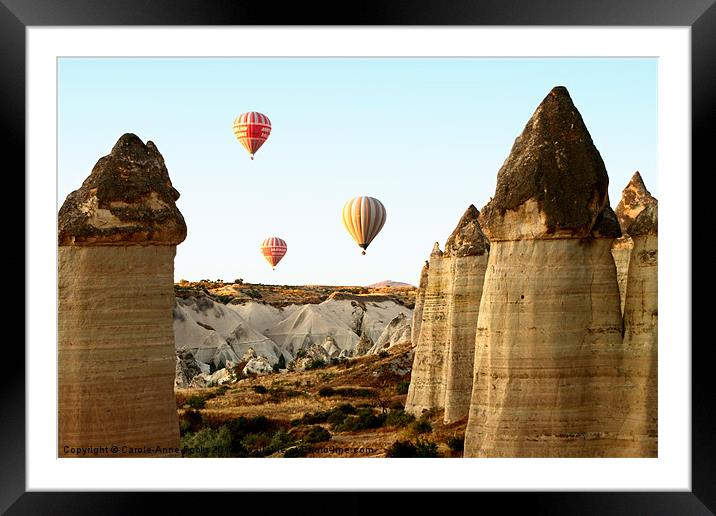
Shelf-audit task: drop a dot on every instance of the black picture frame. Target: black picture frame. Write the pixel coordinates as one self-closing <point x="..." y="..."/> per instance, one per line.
<point x="700" y="15"/>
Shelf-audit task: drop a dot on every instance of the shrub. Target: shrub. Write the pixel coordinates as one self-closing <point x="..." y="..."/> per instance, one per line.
<point x="221" y="390"/>
<point x="260" y="389"/>
<point x="402" y="387"/>
<point x="317" y="434"/>
<point x="456" y="444"/>
<point x="326" y="391"/>
<point x="207" y="442"/>
<point x="314" y="417"/>
<point x="281" y="364"/>
<point x="399" y="418"/>
<point x="383" y="353"/>
<point x="346" y="408"/>
<point x="365" y="419"/>
<point x="426" y="449"/>
<point x="256" y="444"/>
<point x="190" y="421"/>
<point x="196" y="401"/>
<point x="336" y="419"/>
<point x="402" y="449"/>
<point x="347" y="392"/>
<point x="316" y="363"/>
<point x="301" y="353"/>
<point x="253" y="293"/>
<point x="422" y="426"/>
<point x="280" y="441"/>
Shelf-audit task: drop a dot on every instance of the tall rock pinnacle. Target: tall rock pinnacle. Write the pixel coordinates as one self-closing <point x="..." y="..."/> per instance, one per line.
<point x="469" y="249"/>
<point x="116" y="361"/>
<point x="635" y="199"/>
<point x="419" y="302"/>
<point x="554" y="183"/>
<point x="548" y="336"/>
<point x="442" y="367"/>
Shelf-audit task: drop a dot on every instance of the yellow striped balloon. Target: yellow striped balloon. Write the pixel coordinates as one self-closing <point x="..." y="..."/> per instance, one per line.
<point x="363" y="217"/>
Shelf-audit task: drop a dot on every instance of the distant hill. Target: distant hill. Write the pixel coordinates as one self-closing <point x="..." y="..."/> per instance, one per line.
<point x="389" y="284"/>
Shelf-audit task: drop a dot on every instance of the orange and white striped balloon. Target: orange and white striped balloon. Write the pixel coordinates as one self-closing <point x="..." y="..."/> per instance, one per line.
<point x="252" y="129"/>
<point x="364" y="217"/>
<point x="273" y="249"/>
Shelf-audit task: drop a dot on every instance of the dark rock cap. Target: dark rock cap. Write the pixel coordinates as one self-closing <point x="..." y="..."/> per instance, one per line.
<point x="436" y="250"/>
<point x="647" y="222"/>
<point x="555" y="164"/>
<point x="607" y="225"/>
<point x="635" y="197"/>
<point x="467" y="239"/>
<point x="128" y="199"/>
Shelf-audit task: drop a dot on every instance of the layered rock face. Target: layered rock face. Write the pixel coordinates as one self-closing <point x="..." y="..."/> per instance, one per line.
<point x="548" y="339"/>
<point x="116" y="359"/>
<point x="419" y="302"/>
<point x="427" y="382"/>
<point x="635" y="197"/>
<point x="641" y="335"/>
<point x="468" y="247"/>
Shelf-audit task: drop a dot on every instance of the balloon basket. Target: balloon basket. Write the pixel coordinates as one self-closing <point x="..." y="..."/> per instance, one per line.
<point x="363" y="253"/>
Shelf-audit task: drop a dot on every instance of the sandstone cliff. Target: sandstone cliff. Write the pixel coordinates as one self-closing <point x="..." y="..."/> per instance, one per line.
<point x="116" y="360"/>
<point x="635" y="197"/>
<point x="419" y="302"/>
<point x="427" y="386"/>
<point x="468" y="247"/>
<point x="548" y="340"/>
<point x="641" y="334"/>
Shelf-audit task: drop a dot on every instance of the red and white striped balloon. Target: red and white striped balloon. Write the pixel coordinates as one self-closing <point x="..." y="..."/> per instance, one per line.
<point x="252" y="129"/>
<point x="273" y="249"/>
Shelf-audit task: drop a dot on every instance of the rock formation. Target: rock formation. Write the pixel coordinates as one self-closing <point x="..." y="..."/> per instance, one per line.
<point x="397" y="332"/>
<point x="468" y="247"/>
<point x="116" y="358"/>
<point x="635" y="197"/>
<point x="216" y="334"/>
<point x="548" y="340"/>
<point x="427" y="386"/>
<point x="419" y="302"/>
<point x="640" y="334"/>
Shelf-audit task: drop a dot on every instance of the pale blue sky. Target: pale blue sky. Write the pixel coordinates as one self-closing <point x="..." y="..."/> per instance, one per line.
<point x="425" y="136"/>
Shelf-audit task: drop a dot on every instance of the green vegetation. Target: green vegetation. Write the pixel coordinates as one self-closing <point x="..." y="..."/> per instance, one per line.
<point x="399" y="418"/>
<point x="253" y="293"/>
<point x="281" y="364"/>
<point x="408" y="449"/>
<point x="348" y="392"/>
<point x="317" y="434"/>
<point x="207" y="442"/>
<point x="402" y="387"/>
<point x="316" y="363"/>
<point x="260" y="389"/>
<point x="422" y="426"/>
<point x="456" y="444"/>
<point x="196" y="401"/>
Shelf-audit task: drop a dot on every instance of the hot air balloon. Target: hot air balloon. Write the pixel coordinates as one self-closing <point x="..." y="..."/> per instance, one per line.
<point x="363" y="217"/>
<point x="273" y="249"/>
<point x="252" y="129"/>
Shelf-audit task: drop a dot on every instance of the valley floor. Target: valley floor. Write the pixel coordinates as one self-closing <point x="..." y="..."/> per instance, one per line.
<point x="350" y="409"/>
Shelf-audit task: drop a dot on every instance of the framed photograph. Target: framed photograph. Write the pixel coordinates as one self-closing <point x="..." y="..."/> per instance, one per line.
<point x="423" y="106"/>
